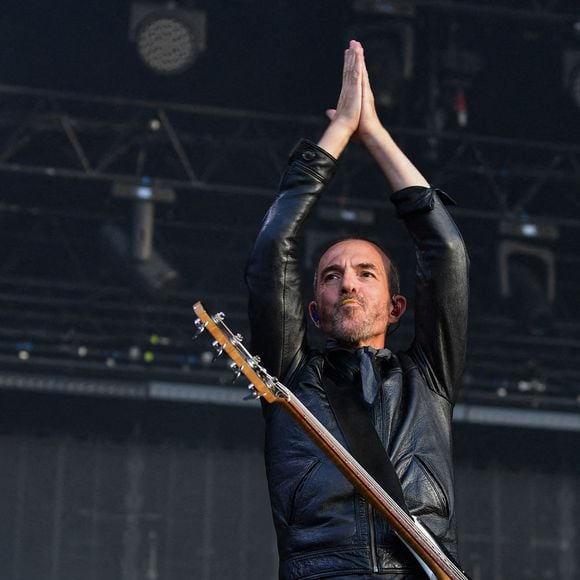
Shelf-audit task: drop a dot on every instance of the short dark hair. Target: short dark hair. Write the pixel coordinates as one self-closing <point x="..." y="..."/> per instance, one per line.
<point x="393" y="276"/>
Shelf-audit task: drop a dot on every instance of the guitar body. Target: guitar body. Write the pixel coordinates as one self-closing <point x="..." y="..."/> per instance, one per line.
<point x="422" y="545"/>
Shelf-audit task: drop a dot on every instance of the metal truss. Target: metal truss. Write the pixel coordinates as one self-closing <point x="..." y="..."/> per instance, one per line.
<point x="106" y="140"/>
<point x="70" y="317"/>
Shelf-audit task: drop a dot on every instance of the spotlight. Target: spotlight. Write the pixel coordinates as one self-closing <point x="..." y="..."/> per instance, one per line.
<point x="527" y="271"/>
<point x="331" y="213"/>
<point x="144" y="196"/>
<point x="169" y="39"/>
<point x="152" y="276"/>
<point x="135" y="254"/>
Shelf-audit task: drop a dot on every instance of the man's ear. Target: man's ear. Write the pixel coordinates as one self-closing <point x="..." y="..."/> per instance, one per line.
<point x="398" y="307"/>
<point x="313" y="311"/>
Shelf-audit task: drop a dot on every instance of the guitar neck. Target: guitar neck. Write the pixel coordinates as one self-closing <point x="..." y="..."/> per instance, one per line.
<point x="418" y="541"/>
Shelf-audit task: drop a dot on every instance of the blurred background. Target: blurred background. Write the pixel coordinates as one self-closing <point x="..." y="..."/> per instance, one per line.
<point x="140" y="146"/>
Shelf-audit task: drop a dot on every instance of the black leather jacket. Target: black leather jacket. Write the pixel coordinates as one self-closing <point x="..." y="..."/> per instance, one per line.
<point x="324" y="526"/>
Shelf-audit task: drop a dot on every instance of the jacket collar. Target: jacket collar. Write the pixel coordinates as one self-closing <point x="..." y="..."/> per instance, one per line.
<point x="346" y="359"/>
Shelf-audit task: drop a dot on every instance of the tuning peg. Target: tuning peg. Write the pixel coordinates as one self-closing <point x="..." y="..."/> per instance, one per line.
<point x="199" y="328"/>
<point x="236" y="370"/>
<point x="219" y="349"/>
<point x="253" y="393"/>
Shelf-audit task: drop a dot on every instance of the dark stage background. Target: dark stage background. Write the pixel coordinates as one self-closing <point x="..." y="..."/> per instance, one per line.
<point x="126" y="195"/>
<point x="133" y="490"/>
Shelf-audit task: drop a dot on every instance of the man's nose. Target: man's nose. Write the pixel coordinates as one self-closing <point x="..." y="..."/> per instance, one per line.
<point x="349" y="282"/>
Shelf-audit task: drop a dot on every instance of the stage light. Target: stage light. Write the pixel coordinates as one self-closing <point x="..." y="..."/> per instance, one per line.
<point x="331" y="213"/>
<point x="168" y="38"/>
<point x="134" y="251"/>
<point x="385" y="7"/>
<point x="134" y="353"/>
<point x="527" y="273"/>
<point x="524" y="228"/>
<point x="152" y="276"/>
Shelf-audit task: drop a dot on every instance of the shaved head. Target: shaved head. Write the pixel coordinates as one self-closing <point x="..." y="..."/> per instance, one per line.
<point x="394" y="278"/>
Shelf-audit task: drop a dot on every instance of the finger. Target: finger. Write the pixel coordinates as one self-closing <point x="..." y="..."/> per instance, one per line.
<point x="358" y="62"/>
<point x="367" y="89"/>
<point x="330" y="113"/>
<point x="351" y="76"/>
<point x="349" y="65"/>
<point x="352" y="56"/>
<point x="365" y="72"/>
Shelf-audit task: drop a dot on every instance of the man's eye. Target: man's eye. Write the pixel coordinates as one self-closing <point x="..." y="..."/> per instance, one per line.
<point x="367" y="274"/>
<point x="330" y="277"/>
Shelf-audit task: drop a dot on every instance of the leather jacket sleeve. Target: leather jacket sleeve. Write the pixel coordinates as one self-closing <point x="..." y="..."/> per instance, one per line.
<point x="441" y="287"/>
<point x="276" y="311"/>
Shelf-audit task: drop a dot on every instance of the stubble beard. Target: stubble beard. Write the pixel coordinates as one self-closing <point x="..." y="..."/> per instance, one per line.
<point x="348" y="330"/>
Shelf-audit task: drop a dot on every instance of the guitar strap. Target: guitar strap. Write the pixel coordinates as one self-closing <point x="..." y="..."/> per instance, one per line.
<point x="354" y="420"/>
<point x="355" y="423"/>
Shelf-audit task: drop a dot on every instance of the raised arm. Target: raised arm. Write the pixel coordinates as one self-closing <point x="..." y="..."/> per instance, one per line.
<point x="345" y="119"/>
<point x="441" y="281"/>
<point x="276" y="311"/>
<point x="441" y="287"/>
<point x="275" y="308"/>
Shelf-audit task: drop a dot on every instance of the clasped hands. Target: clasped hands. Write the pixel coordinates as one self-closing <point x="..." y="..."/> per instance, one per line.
<point x="355" y="113"/>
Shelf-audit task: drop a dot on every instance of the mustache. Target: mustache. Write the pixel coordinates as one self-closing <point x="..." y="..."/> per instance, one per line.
<point x="358" y="299"/>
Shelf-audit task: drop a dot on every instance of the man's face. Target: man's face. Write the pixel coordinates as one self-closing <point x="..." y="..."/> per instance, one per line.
<point x="352" y="294"/>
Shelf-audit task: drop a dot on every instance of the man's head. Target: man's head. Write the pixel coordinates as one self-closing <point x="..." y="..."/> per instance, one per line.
<point x="356" y="293"/>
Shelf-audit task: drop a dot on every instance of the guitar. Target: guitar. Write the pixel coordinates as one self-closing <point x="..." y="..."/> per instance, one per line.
<point x="433" y="560"/>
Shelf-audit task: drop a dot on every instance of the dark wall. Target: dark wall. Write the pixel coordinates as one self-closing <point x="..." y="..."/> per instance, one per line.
<point x="110" y="489"/>
<point x="136" y="492"/>
<point x="518" y="502"/>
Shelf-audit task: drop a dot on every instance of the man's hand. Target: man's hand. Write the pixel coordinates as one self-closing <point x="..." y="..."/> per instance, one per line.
<point x="370" y="126"/>
<point x="355" y="114"/>
<point x="396" y="166"/>
<point x="345" y="119"/>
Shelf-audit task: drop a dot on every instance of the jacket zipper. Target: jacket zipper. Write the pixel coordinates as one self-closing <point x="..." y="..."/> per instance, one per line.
<point x="372" y="531"/>
<point x="372" y="538"/>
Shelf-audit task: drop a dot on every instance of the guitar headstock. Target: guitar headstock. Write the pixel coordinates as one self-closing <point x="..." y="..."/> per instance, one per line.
<point x="261" y="383"/>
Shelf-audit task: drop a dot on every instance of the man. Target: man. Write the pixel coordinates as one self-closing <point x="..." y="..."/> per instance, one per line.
<point x="325" y="528"/>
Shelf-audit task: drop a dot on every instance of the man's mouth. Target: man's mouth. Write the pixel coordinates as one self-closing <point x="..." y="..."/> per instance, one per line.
<point x="348" y="301"/>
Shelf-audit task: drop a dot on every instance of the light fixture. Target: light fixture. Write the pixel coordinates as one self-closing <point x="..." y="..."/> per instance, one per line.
<point x="386" y="7"/>
<point x="134" y="253"/>
<point x="144" y="196"/>
<point x="334" y="213"/>
<point x="169" y="39"/>
<point x="153" y="276"/>
<point x="527" y="272"/>
<point x="524" y="228"/>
